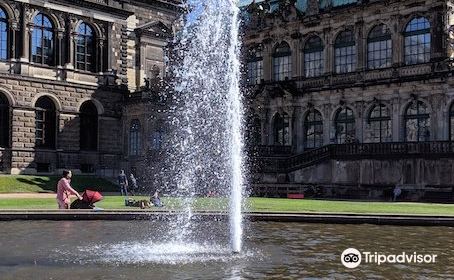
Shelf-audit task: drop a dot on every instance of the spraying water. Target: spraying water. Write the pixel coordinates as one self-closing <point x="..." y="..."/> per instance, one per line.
<point x="207" y="143"/>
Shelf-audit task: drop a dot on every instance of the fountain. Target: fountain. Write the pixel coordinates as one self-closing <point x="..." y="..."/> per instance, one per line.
<point x="206" y="145"/>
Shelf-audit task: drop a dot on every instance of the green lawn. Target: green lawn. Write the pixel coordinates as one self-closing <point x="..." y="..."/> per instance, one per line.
<point x="258" y="204"/>
<point x="23" y="183"/>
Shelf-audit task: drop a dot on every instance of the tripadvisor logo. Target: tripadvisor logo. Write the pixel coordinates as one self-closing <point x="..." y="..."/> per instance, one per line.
<point x="352" y="258"/>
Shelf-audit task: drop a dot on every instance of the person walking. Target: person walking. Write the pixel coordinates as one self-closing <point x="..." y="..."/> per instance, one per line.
<point x="64" y="190"/>
<point x="123" y="182"/>
<point x="134" y="187"/>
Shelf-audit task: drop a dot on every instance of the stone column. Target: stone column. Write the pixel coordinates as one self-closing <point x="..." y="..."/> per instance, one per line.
<point x="60" y="34"/>
<point x="327" y="123"/>
<point x="13" y="28"/>
<point x="312" y="7"/>
<point x="360" y="55"/>
<point x="71" y="55"/>
<point x="397" y="42"/>
<point x="267" y="61"/>
<point x="397" y="123"/>
<point x="299" y="129"/>
<point x="26" y="31"/>
<point x="99" y="67"/>
<point x="328" y="52"/>
<point x="295" y="59"/>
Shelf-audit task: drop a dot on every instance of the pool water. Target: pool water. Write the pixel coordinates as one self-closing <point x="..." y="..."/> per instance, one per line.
<point x="142" y="250"/>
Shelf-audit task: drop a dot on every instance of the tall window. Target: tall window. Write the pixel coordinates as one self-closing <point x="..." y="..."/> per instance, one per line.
<point x="134" y="138"/>
<point x="417" y="41"/>
<point x="313" y="57"/>
<point x="157" y="137"/>
<point x="281" y="125"/>
<point x="417" y="122"/>
<point x="282" y="62"/>
<point x="313" y="127"/>
<point x="451" y="123"/>
<point x="45" y="123"/>
<point x="43" y="46"/>
<point x="85" y="45"/>
<point x="379" y="122"/>
<point x="88" y="126"/>
<point x="345" y="52"/>
<point x="379" y="47"/>
<point x="4" y="121"/>
<point x="3" y="35"/>
<point x="254" y="66"/>
<point x="345" y="126"/>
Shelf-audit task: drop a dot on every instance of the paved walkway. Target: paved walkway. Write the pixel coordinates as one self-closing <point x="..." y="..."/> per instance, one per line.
<point x="27" y="195"/>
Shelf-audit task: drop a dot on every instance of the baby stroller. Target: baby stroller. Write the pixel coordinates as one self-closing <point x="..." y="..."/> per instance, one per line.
<point x="89" y="198"/>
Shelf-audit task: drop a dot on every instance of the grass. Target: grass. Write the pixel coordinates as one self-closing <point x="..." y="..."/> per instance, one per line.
<point x="22" y="183"/>
<point x="257" y="204"/>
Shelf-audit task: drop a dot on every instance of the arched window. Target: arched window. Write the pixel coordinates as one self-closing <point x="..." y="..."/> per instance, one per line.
<point x="379" y="47"/>
<point x="417" y="122"/>
<point x="3" y="35"/>
<point x="45" y="123"/>
<point x="313" y="57"/>
<point x="379" y="123"/>
<point x="282" y="62"/>
<point x="451" y="123"/>
<point x="345" y="126"/>
<point x="254" y="66"/>
<point x="157" y="136"/>
<point x="417" y="41"/>
<point x="43" y="46"/>
<point x="134" y="138"/>
<point x="313" y="127"/>
<point x="345" y="52"/>
<point x="88" y="126"/>
<point x="4" y="121"/>
<point x="85" y="46"/>
<point x="281" y="125"/>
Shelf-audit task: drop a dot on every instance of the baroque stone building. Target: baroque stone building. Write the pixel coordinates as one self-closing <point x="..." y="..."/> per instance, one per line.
<point x="66" y="70"/>
<point x="351" y="98"/>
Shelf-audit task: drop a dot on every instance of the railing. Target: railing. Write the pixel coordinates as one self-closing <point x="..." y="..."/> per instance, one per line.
<point x="436" y="149"/>
<point x="272" y="151"/>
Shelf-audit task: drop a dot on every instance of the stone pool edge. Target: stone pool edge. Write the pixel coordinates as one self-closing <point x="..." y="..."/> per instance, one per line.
<point x="327" y="218"/>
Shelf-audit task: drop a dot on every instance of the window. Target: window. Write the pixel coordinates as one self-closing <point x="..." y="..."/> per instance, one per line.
<point x="157" y="137"/>
<point x="88" y="126"/>
<point x="45" y="123"/>
<point x="417" y="41"/>
<point x="282" y="62"/>
<point x="3" y="35"/>
<point x="313" y="127"/>
<point x="85" y="45"/>
<point x="254" y="66"/>
<point x="379" y="47"/>
<point x="313" y="57"/>
<point x="345" y="126"/>
<point x="43" y="40"/>
<point x="345" y="52"/>
<point x="281" y="126"/>
<point x="379" y="123"/>
<point x="417" y="122"/>
<point x="4" y="121"/>
<point x="134" y="138"/>
<point x="451" y="123"/>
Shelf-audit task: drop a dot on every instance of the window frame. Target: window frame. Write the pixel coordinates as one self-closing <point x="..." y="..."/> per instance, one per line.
<point x="282" y="62"/>
<point x="45" y="136"/>
<point x="345" y="49"/>
<point x="413" y="58"/>
<point x="134" y="137"/>
<point x="381" y="119"/>
<point x="281" y="130"/>
<point x="42" y="29"/>
<point x="341" y="137"/>
<point x="419" y="117"/>
<point x="4" y="20"/>
<point x="317" y="134"/>
<point x="88" y="133"/>
<point x="83" y="36"/>
<point x="386" y="38"/>
<point x="310" y="58"/>
<point x="254" y="64"/>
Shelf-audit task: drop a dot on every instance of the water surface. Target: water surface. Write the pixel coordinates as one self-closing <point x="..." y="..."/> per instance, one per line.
<point x="140" y="250"/>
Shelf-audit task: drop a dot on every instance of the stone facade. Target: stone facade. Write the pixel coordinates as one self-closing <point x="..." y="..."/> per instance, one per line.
<point x="342" y="84"/>
<point x="49" y="73"/>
